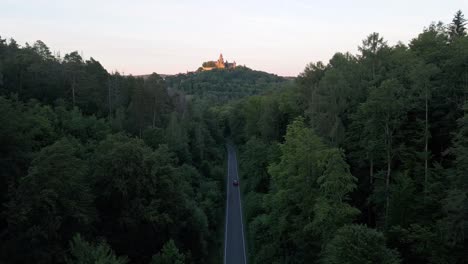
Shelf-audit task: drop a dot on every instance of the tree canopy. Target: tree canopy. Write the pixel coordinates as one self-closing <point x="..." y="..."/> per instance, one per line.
<point x="361" y="159"/>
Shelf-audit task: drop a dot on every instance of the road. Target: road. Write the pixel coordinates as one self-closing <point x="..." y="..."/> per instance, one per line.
<point x="234" y="245"/>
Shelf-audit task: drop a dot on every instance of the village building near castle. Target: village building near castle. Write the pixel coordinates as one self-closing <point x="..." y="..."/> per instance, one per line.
<point x="219" y="64"/>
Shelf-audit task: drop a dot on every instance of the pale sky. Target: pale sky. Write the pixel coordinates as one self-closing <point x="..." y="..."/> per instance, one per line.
<point x="281" y="37"/>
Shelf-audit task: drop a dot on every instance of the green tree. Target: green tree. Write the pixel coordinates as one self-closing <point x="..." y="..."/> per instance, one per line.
<point x="50" y="204"/>
<point x="73" y="64"/>
<point x="357" y="244"/>
<point x="83" y="252"/>
<point x="293" y="192"/>
<point x="209" y="64"/>
<point x="144" y="198"/>
<point x="333" y="97"/>
<point x="421" y="76"/>
<point x="155" y="86"/>
<point x="385" y="112"/>
<point x="455" y="224"/>
<point x="457" y="27"/>
<point x="169" y="255"/>
<point x="177" y="137"/>
<point x="331" y="210"/>
<point x="373" y="51"/>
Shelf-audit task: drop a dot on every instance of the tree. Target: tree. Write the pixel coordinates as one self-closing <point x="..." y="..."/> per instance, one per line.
<point x="455" y="223"/>
<point x="94" y="93"/>
<point x="51" y="203"/>
<point x="155" y="87"/>
<point x="357" y="244"/>
<point x="129" y="202"/>
<point x="308" y="199"/>
<point x="42" y="50"/>
<point x="83" y="252"/>
<point x="142" y="195"/>
<point x="421" y="76"/>
<point x="169" y="255"/>
<point x="333" y="97"/>
<point x="457" y="27"/>
<point x="431" y="44"/>
<point x="331" y="210"/>
<point x="177" y="138"/>
<point x="372" y="50"/>
<point x="74" y="67"/>
<point x="385" y="112"/>
<point x="209" y="64"/>
<point x="336" y="182"/>
<point x="294" y="189"/>
<point x="460" y="151"/>
<point x="312" y="74"/>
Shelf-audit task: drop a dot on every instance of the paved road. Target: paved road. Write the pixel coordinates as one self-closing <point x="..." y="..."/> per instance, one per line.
<point x="234" y="247"/>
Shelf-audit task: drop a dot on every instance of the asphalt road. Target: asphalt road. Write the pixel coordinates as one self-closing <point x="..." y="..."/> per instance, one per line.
<point x="234" y="246"/>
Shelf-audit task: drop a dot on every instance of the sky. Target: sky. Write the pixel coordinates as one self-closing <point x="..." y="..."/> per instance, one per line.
<point x="282" y="37"/>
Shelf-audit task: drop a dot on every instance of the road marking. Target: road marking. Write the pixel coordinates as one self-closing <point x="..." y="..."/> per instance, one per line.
<point x="240" y="207"/>
<point x="227" y="208"/>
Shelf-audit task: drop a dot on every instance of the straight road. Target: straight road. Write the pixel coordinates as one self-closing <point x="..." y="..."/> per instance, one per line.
<point x="234" y="245"/>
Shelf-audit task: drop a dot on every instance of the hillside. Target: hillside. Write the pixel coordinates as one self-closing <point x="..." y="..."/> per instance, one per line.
<point x="223" y="85"/>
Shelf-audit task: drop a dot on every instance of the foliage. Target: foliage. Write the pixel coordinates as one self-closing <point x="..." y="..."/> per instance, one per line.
<point x="209" y="64"/>
<point x="169" y="255"/>
<point x="221" y="85"/>
<point x="355" y="244"/>
<point x="83" y="252"/>
<point x="108" y="156"/>
<point x="381" y="142"/>
<point x="49" y="203"/>
<point x="359" y="160"/>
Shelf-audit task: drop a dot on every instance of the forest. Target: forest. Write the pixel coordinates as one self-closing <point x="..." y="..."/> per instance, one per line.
<point x="223" y="85"/>
<point x="363" y="159"/>
<point x="104" y="168"/>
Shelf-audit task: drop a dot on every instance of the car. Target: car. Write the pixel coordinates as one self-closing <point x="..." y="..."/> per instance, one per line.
<point x="235" y="183"/>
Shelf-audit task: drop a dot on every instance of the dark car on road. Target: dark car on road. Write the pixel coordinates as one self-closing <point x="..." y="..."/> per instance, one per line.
<point x="235" y="183"/>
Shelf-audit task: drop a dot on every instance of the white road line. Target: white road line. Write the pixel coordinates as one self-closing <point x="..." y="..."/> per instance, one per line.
<point x="240" y="208"/>
<point x="227" y="207"/>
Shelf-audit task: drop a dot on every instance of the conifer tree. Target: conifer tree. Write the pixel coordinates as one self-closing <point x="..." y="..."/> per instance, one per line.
<point x="458" y="26"/>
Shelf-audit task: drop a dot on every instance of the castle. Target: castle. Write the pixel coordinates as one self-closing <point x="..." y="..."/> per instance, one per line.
<point x="219" y="64"/>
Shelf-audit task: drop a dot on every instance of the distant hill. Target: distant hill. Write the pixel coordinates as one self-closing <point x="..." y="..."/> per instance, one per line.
<point x="144" y="76"/>
<point x="225" y="84"/>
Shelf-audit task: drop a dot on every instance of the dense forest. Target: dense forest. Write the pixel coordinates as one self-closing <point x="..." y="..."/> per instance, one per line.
<point x="104" y="168"/>
<point x="365" y="159"/>
<point x="223" y="85"/>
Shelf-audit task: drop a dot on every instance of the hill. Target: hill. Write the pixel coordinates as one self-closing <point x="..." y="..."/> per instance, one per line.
<point x="225" y="84"/>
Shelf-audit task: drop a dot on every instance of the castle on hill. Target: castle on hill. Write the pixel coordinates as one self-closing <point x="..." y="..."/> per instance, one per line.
<point x="219" y="64"/>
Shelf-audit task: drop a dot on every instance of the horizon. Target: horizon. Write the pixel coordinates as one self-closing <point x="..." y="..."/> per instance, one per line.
<point x="171" y="38"/>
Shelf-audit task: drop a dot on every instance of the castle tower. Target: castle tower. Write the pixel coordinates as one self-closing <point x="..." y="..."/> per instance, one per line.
<point x="220" y="62"/>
